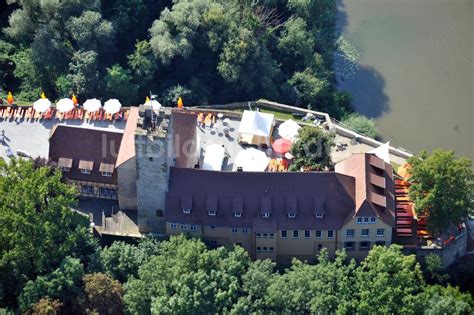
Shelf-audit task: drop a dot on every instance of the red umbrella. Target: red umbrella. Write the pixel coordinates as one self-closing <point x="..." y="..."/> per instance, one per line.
<point x="281" y="145"/>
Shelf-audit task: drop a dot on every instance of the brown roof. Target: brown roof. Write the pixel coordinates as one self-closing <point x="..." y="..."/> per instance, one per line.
<point x="127" y="148"/>
<point x="98" y="146"/>
<point x="256" y="192"/>
<point x="106" y="167"/>
<point x="374" y="185"/>
<point x="184" y="137"/>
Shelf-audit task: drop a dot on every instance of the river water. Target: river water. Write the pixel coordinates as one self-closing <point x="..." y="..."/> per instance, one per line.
<point x="416" y="70"/>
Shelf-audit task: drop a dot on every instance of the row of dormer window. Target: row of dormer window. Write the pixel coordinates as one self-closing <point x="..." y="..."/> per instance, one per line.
<point x="265" y="215"/>
<point x="307" y="234"/>
<point x="365" y="220"/>
<point x="365" y="232"/>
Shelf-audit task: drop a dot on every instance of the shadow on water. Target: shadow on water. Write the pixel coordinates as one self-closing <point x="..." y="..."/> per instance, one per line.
<point x="368" y="92"/>
<point x="365" y="83"/>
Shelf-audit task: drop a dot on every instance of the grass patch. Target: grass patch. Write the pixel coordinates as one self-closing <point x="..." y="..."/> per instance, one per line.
<point x="278" y="114"/>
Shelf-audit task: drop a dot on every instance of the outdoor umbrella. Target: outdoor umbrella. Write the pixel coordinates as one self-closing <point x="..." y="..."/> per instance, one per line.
<point x="64" y="105"/>
<point x="92" y="105"/>
<point x="42" y="105"/>
<point x="251" y="160"/>
<point x="289" y="130"/>
<point x="281" y="145"/>
<point x="112" y="106"/>
<point x="155" y="105"/>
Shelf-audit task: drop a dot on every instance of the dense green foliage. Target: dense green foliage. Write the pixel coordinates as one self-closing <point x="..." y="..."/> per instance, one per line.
<point x="312" y="150"/>
<point x="361" y="124"/>
<point x="37" y="228"/>
<point x="441" y="188"/>
<point x="207" y="51"/>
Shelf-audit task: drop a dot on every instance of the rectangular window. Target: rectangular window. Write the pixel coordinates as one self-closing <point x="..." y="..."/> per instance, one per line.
<point x="245" y="231"/>
<point x="173" y="226"/>
<point x="366" y="219"/>
<point x="264" y="235"/>
<point x="87" y="190"/>
<point x="291" y="215"/>
<point x="295" y="234"/>
<point x="184" y="226"/>
<point x="349" y="245"/>
<point x="364" y="232"/>
<point x="186" y="210"/>
<point x="319" y="234"/>
<point x="380" y="243"/>
<point x="259" y="235"/>
<point x="265" y="215"/>
<point x="237" y="214"/>
<point x="350" y="233"/>
<point x="65" y="169"/>
<point x="330" y="233"/>
<point x="364" y="245"/>
<point x="265" y="248"/>
<point x="307" y="234"/>
<point x="107" y="174"/>
<point x="212" y="227"/>
<point x="372" y="219"/>
<point x="284" y="233"/>
<point x="359" y="220"/>
<point x="380" y="232"/>
<point x="211" y="212"/>
<point x="271" y="249"/>
<point x="234" y="230"/>
<point x="319" y="215"/>
<point x="108" y="192"/>
<point x="85" y="171"/>
<point x="259" y="249"/>
<point x="193" y="227"/>
<point x="271" y="235"/>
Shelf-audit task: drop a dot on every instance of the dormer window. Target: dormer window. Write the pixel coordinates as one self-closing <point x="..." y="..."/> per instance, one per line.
<point x="319" y="215"/>
<point x="265" y="207"/>
<point x="65" y="164"/>
<point x="291" y="207"/>
<point x="106" y="169"/>
<point x="86" y="166"/>
<point x="319" y="208"/>
<point x="237" y="214"/>
<point x="237" y="206"/>
<point x="186" y="203"/>
<point x="211" y="205"/>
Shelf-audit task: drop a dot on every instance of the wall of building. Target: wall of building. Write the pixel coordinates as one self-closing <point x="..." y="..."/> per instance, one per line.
<point x="127" y="184"/>
<point x="360" y="253"/>
<point x="154" y="156"/>
<point x="96" y="189"/>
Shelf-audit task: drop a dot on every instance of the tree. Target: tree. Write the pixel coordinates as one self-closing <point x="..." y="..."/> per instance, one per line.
<point x="361" y="124"/>
<point x="46" y="306"/>
<point x="441" y="189"/>
<point x="387" y="282"/>
<point x="38" y="229"/>
<point x="312" y="90"/>
<point x="312" y="150"/>
<point x="186" y="278"/>
<point x="119" y="84"/>
<point x="63" y="284"/>
<point x="84" y="72"/>
<point x="122" y="260"/>
<point x="446" y="300"/>
<point x="103" y="294"/>
<point x="434" y="269"/>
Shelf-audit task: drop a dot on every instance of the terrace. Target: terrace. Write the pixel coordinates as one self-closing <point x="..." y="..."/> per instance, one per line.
<point x="29" y="136"/>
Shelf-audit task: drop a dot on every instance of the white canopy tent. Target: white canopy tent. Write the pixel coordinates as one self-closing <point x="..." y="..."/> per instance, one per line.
<point x="42" y="105"/>
<point x="289" y="130"/>
<point x="251" y="160"/>
<point x="382" y="152"/>
<point x="155" y="105"/>
<point x="213" y="157"/>
<point x="64" y="105"/>
<point x="92" y="105"/>
<point x="112" y="106"/>
<point x="256" y="127"/>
